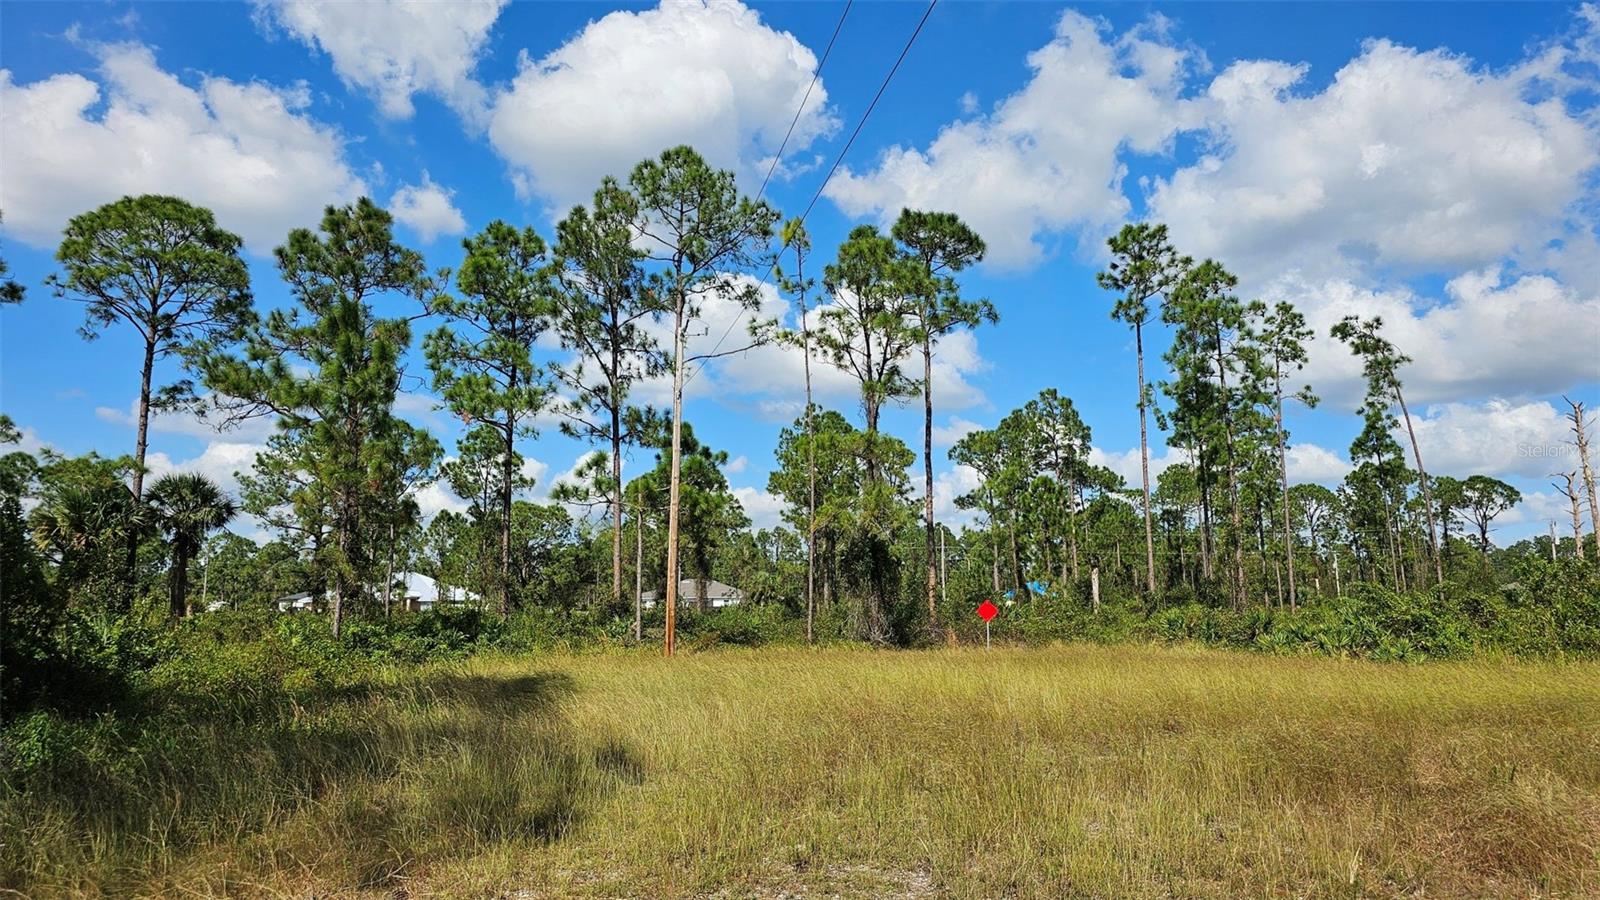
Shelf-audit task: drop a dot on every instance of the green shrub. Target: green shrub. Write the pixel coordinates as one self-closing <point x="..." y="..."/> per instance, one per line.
<point x="746" y="625"/>
<point x="543" y="628"/>
<point x="86" y="662"/>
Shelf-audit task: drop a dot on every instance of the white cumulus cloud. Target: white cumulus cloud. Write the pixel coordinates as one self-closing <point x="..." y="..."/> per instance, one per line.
<point x="954" y="429"/>
<point x="1489" y="334"/>
<point x="427" y="209"/>
<point x="631" y="84"/>
<point x="395" y="49"/>
<point x="1048" y="158"/>
<point x="765" y="510"/>
<point x="1409" y="158"/>
<point x="248" y="151"/>
<point x="1497" y="437"/>
<point x="1309" y="462"/>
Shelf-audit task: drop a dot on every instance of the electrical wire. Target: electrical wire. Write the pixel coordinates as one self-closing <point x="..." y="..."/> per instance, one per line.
<point x="884" y="86"/>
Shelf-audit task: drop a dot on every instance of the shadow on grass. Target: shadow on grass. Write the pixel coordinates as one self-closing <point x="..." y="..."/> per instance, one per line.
<point x="534" y="691"/>
<point x="351" y="786"/>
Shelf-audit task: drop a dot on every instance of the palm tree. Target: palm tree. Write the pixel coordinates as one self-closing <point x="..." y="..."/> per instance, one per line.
<point x="188" y="506"/>
<point x="79" y="525"/>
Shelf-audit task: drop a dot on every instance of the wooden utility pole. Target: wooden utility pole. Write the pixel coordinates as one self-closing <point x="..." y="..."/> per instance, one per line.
<point x="811" y="468"/>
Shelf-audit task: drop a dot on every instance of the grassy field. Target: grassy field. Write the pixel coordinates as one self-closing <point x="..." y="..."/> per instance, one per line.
<point x="1079" y="771"/>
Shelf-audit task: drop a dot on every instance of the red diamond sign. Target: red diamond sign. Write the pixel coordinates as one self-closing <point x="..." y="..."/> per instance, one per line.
<point x="987" y="611"/>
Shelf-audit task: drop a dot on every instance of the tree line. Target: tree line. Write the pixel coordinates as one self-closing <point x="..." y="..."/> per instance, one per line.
<point x="531" y="334"/>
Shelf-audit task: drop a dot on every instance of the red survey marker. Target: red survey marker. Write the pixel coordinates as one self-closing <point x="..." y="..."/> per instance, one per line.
<point x="987" y="611"/>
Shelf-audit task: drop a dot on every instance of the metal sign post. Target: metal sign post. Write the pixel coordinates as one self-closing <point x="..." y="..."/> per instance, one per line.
<point x="987" y="611"/>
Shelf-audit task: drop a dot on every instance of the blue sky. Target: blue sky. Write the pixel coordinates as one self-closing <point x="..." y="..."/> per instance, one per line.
<point x="1437" y="164"/>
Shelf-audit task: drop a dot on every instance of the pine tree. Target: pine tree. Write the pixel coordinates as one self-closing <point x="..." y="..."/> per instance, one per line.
<point x="1143" y="266"/>
<point x="1282" y="343"/>
<point x="867" y="334"/>
<point x="483" y="366"/>
<point x="937" y="246"/>
<point x="1381" y="362"/>
<point x="701" y="232"/>
<point x="163" y="267"/>
<point x="793" y="237"/>
<point x="1060" y="446"/>
<point x="601" y="308"/>
<point x="1212" y="323"/>
<point x="340" y="436"/>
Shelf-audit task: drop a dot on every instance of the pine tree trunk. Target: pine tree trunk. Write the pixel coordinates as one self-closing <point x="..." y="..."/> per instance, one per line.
<point x="927" y="481"/>
<point x="827" y="571"/>
<point x="877" y="593"/>
<point x="1283" y="471"/>
<point x="1144" y="466"/>
<point x="1235" y="517"/>
<point x="388" y="575"/>
<point x="507" y="474"/>
<point x="1072" y="525"/>
<point x="638" y="568"/>
<point x="1427" y="492"/>
<point x="1016" y="560"/>
<point x="1207" y="544"/>
<point x="616" y="508"/>
<point x="1581" y="440"/>
<point x="671" y="593"/>
<point x="141" y="442"/>
<point x="1577" y="514"/>
<point x="994" y="554"/>
<point x="124" y="603"/>
<point x="339" y="580"/>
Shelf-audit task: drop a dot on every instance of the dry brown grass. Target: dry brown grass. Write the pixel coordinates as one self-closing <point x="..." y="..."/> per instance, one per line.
<point x="1062" y="772"/>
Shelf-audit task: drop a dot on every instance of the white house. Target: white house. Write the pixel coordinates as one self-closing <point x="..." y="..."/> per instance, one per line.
<point x="418" y="593"/>
<point x="422" y="593"/>
<point x="301" y="602"/>
<point x="718" y="594"/>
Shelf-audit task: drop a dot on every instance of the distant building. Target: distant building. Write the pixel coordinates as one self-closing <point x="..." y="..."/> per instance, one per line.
<point x="415" y="593"/>
<point x="422" y="593"/>
<point x="304" y="601"/>
<point x="718" y="594"/>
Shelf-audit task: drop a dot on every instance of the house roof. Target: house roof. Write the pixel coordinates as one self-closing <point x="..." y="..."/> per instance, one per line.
<point x="689" y="589"/>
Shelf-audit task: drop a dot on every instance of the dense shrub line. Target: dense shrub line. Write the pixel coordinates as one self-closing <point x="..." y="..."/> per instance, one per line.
<point x="1549" y="609"/>
<point x="92" y="663"/>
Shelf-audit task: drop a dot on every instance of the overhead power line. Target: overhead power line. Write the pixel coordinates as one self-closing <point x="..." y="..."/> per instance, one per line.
<point x="827" y="51"/>
<point x="837" y="160"/>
